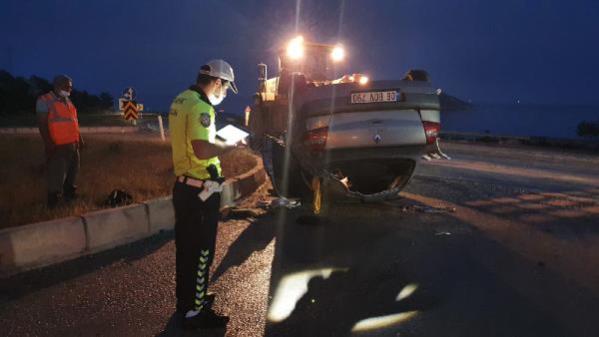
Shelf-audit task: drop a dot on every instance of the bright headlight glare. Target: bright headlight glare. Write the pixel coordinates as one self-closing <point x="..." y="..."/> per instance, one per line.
<point x="338" y="54"/>
<point x="295" y="48"/>
<point x="363" y="80"/>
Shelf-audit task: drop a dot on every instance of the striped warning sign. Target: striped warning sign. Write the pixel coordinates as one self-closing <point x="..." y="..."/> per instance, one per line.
<point x="130" y="110"/>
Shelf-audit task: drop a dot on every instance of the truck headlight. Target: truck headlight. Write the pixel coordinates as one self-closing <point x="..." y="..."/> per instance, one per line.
<point x="295" y="48"/>
<point x="338" y="54"/>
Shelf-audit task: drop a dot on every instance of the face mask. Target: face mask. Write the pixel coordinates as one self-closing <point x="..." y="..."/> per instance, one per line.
<point x="64" y="94"/>
<point x="217" y="99"/>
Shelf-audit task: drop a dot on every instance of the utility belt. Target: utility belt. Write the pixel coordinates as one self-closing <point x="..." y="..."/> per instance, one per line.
<point x="208" y="187"/>
<point x="197" y="183"/>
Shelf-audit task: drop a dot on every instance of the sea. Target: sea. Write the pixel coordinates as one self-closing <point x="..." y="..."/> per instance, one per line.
<point x="555" y="121"/>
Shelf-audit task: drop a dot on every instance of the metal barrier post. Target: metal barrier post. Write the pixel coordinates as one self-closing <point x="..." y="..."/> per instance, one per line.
<point x="161" y="128"/>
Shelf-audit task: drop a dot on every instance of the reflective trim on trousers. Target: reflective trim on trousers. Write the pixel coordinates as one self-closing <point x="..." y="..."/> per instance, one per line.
<point x="201" y="279"/>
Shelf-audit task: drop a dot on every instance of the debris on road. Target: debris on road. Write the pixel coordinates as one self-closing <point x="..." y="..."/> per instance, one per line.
<point x="284" y="202"/>
<point x="436" y="153"/>
<point x="428" y="209"/>
<point x="243" y="213"/>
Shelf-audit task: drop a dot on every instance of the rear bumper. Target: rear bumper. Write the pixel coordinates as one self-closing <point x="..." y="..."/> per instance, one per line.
<point x="394" y="155"/>
<point x="412" y="152"/>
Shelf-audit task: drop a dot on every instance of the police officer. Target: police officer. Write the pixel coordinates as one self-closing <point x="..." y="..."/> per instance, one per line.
<point x="59" y="128"/>
<point x="195" y="158"/>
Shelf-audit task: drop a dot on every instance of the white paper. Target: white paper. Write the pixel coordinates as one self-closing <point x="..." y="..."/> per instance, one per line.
<point x="231" y="134"/>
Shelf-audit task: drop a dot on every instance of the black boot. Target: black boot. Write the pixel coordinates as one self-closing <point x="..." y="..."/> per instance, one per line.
<point x="209" y="300"/>
<point x="53" y="199"/>
<point x="206" y="319"/>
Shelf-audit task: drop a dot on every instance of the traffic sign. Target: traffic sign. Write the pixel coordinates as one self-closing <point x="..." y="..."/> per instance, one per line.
<point x="122" y="102"/>
<point x="130" y="110"/>
<point x="129" y="94"/>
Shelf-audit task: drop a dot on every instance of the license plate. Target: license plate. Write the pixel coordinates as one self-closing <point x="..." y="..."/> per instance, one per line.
<point x="374" y="97"/>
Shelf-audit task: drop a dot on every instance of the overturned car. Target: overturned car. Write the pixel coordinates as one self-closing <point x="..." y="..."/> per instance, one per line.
<point x="340" y="135"/>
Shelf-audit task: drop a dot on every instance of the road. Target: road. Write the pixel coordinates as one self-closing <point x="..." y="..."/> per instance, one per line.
<point x="498" y="241"/>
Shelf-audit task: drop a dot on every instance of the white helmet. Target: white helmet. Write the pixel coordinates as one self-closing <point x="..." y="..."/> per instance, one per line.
<point x="220" y="69"/>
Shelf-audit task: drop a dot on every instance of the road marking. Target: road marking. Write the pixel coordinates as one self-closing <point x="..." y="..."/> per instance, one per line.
<point x="574" y="261"/>
<point x="570" y="258"/>
<point x="517" y="171"/>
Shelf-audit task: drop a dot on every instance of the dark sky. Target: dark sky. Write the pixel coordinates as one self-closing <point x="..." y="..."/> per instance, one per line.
<point x="540" y="51"/>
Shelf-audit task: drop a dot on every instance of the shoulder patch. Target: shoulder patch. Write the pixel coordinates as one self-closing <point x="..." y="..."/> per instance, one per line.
<point x="205" y="119"/>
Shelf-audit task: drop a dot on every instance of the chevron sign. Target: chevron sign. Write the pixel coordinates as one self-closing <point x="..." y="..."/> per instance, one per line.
<point x="130" y="110"/>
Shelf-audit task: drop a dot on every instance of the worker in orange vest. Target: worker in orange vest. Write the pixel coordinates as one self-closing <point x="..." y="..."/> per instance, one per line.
<point x="59" y="128"/>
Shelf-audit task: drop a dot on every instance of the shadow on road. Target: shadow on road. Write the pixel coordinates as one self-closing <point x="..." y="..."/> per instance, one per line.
<point x="328" y="279"/>
<point x="254" y="238"/>
<point x="173" y="329"/>
<point x="323" y="279"/>
<point x="24" y="283"/>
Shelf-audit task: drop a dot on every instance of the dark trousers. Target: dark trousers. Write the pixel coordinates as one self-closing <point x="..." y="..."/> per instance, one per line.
<point x="196" y="222"/>
<point x="63" y="167"/>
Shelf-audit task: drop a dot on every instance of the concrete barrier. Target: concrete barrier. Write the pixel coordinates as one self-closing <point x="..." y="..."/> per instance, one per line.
<point x="243" y="185"/>
<point x="112" y="227"/>
<point x="40" y="244"/>
<point x="161" y="214"/>
<point x="7" y="131"/>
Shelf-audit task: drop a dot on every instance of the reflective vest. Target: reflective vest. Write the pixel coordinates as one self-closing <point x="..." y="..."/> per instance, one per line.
<point x="63" y="125"/>
<point x="191" y="117"/>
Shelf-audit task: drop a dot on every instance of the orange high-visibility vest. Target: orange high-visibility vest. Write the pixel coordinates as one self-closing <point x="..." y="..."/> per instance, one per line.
<point x="62" y="120"/>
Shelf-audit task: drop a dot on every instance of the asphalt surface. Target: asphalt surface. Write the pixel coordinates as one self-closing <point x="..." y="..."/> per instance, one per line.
<point x="496" y="242"/>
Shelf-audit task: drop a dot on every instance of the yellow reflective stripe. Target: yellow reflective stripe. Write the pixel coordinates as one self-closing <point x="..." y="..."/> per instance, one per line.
<point x="205" y="252"/>
<point x="203" y="259"/>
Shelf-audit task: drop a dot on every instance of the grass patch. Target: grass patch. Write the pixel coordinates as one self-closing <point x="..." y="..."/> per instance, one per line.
<point x="139" y="164"/>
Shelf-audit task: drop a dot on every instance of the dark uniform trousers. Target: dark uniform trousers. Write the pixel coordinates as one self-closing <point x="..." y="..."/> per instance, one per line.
<point x="196" y="224"/>
<point x="63" y="167"/>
